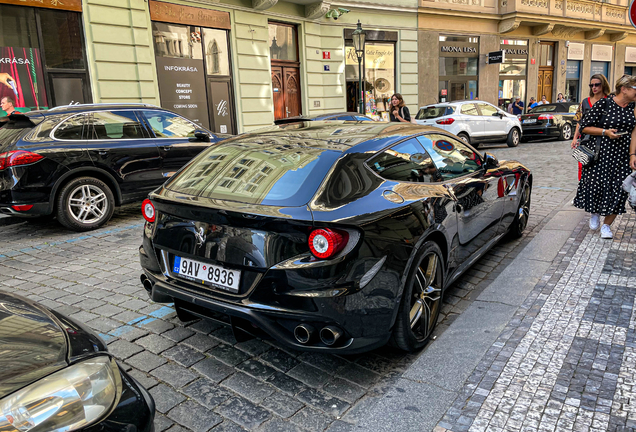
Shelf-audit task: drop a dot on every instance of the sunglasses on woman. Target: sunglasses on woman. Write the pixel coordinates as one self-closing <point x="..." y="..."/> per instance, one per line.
<point x="595" y="85"/>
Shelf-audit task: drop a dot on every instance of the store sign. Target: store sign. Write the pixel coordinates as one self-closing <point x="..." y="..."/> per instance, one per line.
<point x="602" y="53"/>
<point x="22" y="78"/>
<point x="69" y="5"/>
<point x="173" y="13"/>
<point x="630" y="55"/>
<point x="375" y="56"/>
<point x="496" y="57"/>
<point x="572" y="70"/>
<point x="457" y="49"/>
<point x="182" y="88"/>
<point x="576" y="51"/>
<point x="518" y="51"/>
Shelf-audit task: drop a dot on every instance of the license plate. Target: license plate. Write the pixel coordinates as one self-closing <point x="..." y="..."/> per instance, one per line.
<point x="215" y="275"/>
<point x="528" y="121"/>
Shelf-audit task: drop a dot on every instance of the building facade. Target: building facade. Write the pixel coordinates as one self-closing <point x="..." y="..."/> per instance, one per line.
<point x="230" y="65"/>
<point x="551" y="47"/>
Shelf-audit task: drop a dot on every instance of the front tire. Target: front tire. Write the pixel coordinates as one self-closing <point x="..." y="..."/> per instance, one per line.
<point x="421" y="301"/>
<point x="84" y="204"/>
<point x="566" y="132"/>
<point x="520" y="222"/>
<point x="513" y="137"/>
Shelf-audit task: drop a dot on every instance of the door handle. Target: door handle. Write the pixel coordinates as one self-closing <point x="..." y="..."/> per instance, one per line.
<point x="287" y="112"/>
<point x="166" y="148"/>
<point x="103" y="152"/>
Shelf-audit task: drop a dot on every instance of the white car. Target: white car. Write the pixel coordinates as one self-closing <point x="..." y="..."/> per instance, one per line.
<point x="473" y="121"/>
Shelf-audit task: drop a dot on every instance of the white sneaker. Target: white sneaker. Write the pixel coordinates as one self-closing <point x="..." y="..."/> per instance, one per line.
<point x="606" y="232"/>
<point x="595" y="221"/>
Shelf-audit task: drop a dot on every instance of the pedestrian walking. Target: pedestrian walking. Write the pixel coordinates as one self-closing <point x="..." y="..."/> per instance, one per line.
<point x="560" y="98"/>
<point x="599" y="88"/>
<point x="600" y="190"/>
<point x="399" y="111"/>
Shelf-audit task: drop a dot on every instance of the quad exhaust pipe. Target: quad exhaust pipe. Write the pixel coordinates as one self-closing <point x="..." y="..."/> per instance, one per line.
<point x="330" y="334"/>
<point x="303" y="333"/>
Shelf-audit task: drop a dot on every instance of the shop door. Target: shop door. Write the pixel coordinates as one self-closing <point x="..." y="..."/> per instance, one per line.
<point x="220" y="106"/>
<point x="457" y="91"/>
<point x="545" y="83"/>
<point x="286" y="91"/>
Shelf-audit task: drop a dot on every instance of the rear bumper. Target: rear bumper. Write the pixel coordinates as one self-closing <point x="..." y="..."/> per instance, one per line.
<point x="541" y="131"/>
<point x="38" y="209"/>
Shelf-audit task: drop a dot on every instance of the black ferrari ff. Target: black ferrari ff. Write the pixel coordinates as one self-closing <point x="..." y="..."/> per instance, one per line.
<point x="57" y="375"/>
<point x="328" y="236"/>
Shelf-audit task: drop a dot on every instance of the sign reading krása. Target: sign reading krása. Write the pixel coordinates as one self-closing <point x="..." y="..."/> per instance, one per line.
<point x="182" y="88"/>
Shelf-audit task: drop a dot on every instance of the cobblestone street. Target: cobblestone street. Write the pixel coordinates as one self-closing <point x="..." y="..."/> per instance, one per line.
<point x="564" y="362"/>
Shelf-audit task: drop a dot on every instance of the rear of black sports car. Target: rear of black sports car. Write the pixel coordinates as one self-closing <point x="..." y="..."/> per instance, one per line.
<point x="231" y="237"/>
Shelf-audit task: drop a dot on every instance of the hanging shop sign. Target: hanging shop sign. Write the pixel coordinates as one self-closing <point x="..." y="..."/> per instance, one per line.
<point x="23" y="78"/>
<point x="496" y="57"/>
<point x="173" y="13"/>
<point x="68" y="5"/>
<point x="182" y="88"/>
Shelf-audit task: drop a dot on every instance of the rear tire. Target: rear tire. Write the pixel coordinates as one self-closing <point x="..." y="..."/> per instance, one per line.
<point x="566" y="132"/>
<point x="421" y="301"/>
<point x="519" y="223"/>
<point x="514" y="137"/>
<point x="85" y="203"/>
<point x="464" y="137"/>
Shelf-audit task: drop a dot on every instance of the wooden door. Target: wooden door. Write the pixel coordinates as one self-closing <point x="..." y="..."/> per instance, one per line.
<point x="545" y="83"/>
<point x="292" y="91"/>
<point x="278" y="92"/>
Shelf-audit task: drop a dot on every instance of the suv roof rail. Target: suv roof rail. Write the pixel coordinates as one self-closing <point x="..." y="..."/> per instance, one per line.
<point x="138" y="104"/>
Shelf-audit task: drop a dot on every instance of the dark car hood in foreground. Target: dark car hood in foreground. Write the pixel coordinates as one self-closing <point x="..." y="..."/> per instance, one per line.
<point x="33" y="345"/>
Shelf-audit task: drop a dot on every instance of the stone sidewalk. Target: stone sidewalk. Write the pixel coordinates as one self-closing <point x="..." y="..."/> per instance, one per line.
<point x="549" y="346"/>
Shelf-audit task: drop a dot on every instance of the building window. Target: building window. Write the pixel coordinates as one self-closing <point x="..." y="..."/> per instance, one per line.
<point x="46" y="63"/>
<point x="458" y="67"/>
<point x="513" y="71"/>
<point x="599" y="67"/>
<point x="282" y="42"/>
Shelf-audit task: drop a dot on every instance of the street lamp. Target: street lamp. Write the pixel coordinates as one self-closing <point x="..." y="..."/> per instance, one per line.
<point x="359" y="37"/>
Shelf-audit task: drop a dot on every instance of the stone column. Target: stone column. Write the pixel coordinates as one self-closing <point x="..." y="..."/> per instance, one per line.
<point x="428" y="67"/>
<point x="532" y="79"/>
<point x="560" y="69"/>
<point x="619" y="62"/>
<point x="488" y="86"/>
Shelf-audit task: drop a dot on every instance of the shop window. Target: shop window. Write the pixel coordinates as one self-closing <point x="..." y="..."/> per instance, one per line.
<point x="458" y="66"/>
<point x="469" y="39"/>
<point x="511" y="88"/>
<point x="572" y="80"/>
<point x="63" y="39"/>
<point x="177" y="41"/>
<point x="216" y="52"/>
<point x="282" y="42"/>
<point x="19" y="29"/>
<point x="513" y="66"/>
<point x="629" y="70"/>
<point x="599" y="67"/>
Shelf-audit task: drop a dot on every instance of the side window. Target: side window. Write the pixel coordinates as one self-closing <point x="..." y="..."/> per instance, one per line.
<point x="71" y="129"/>
<point x="118" y="125"/>
<point x="469" y="109"/>
<point x="452" y="157"/>
<point x="169" y="125"/>
<point x="405" y="162"/>
<point x="345" y="118"/>
<point x="487" y="110"/>
<point x="363" y="118"/>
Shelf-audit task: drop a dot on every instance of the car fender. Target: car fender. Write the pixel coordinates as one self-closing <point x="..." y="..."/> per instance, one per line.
<point x="86" y="171"/>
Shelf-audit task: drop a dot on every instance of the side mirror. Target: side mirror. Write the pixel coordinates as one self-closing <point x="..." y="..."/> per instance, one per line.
<point x="490" y="161"/>
<point x="496" y="114"/>
<point x="202" y="136"/>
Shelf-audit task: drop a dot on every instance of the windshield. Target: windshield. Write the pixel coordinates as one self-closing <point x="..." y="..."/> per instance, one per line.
<point x="434" y="112"/>
<point x="282" y="174"/>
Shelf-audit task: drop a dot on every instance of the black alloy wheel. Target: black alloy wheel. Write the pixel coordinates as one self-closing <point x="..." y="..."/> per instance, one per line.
<point x="566" y="132"/>
<point x="513" y="137"/>
<point x="519" y="223"/>
<point x="84" y="204"/>
<point x="422" y="300"/>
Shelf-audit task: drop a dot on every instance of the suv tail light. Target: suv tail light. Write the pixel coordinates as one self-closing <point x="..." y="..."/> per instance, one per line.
<point x="325" y="243"/>
<point x="18" y="157"/>
<point x="445" y="121"/>
<point x="545" y="117"/>
<point x="148" y="210"/>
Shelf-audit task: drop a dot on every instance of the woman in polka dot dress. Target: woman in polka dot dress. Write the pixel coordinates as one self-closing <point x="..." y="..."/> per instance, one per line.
<point x="600" y="190"/>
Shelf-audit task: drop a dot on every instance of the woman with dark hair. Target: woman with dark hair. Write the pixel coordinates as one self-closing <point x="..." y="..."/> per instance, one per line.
<point x="560" y="98"/>
<point x="599" y="89"/>
<point x="399" y="111"/>
<point x="600" y="190"/>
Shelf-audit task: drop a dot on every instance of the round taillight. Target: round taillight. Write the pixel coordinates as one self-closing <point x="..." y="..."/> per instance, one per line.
<point x="325" y="243"/>
<point x="148" y="210"/>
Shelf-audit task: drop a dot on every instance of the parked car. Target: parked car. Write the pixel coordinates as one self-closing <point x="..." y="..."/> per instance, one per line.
<point x="346" y="116"/>
<point x="555" y="120"/>
<point x="331" y="236"/>
<point x="473" y="121"/>
<point x="57" y="375"/>
<point x="78" y="162"/>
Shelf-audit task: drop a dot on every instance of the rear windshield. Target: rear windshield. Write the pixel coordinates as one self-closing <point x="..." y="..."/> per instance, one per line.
<point x="256" y="173"/>
<point x="11" y="132"/>
<point x="434" y="112"/>
<point x="545" y="108"/>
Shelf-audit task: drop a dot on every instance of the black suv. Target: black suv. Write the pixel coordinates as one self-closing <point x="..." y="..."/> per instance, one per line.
<point x="79" y="161"/>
